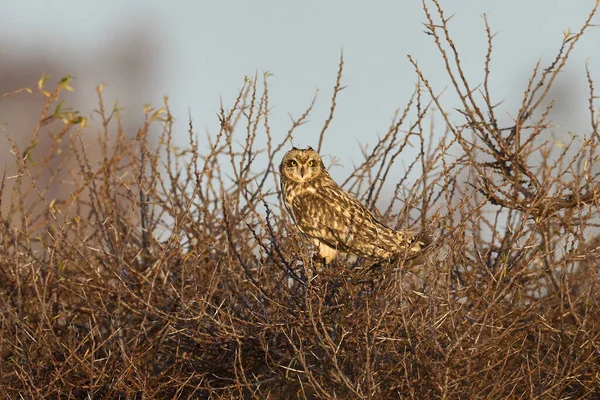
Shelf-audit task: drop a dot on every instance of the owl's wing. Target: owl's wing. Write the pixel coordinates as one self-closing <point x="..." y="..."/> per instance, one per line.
<point x="334" y="217"/>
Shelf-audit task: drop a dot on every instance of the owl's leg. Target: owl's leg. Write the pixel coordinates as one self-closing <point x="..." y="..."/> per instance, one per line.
<point x="326" y="252"/>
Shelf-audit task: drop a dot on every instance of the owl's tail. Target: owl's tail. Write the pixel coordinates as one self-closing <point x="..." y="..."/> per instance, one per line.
<point x="413" y="240"/>
<point x="424" y="239"/>
<point x="417" y="243"/>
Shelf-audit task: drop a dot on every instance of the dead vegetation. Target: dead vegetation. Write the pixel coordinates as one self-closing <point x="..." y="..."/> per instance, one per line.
<point x="155" y="271"/>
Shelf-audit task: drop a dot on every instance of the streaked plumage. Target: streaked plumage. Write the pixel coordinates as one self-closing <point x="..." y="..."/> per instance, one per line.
<point x="331" y="217"/>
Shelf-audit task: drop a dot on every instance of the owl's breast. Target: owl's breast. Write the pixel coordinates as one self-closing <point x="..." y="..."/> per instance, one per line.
<point x="290" y="192"/>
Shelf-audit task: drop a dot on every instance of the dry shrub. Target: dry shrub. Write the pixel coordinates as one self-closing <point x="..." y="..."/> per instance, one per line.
<point x="155" y="271"/>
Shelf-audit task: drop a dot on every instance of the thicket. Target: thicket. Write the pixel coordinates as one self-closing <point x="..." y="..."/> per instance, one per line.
<point x="149" y="270"/>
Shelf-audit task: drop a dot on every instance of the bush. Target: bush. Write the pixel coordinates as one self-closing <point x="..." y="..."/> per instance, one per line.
<point x="152" y="271"/>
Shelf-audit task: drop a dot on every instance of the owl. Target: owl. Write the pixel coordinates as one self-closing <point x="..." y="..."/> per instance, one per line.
<point x="334" y="219"/>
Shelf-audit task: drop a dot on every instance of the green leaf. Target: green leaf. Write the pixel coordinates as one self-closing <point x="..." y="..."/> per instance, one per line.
<point x="42" y="81"/>
<point x="58" y="107"/>
<point x="64" y="83"/>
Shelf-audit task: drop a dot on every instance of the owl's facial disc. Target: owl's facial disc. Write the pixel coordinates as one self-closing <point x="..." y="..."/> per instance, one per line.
<point x="301" y="165"/>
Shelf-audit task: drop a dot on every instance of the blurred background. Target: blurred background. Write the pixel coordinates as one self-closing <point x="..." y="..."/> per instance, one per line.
<point x="198" y="52"/>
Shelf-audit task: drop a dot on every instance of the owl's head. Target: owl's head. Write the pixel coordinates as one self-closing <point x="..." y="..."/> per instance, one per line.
<point x="301" y="165"/>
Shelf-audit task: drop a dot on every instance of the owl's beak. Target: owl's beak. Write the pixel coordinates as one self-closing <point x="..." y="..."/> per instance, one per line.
<point x="302" y="170"/>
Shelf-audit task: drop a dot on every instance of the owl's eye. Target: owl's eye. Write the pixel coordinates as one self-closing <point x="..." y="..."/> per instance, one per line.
<point x="293" y="163"/>
<point x="311" y="163"/>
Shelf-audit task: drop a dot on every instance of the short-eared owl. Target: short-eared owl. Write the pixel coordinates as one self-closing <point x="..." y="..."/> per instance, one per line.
<point x="334" y="219"/>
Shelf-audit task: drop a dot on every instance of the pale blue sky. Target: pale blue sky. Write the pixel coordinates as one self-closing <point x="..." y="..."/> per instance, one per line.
<point x="198" y="51"/>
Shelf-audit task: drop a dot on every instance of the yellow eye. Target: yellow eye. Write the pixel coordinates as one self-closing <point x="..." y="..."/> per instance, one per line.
<point x="310" y="163"/>
<point x="293" y="163"/>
